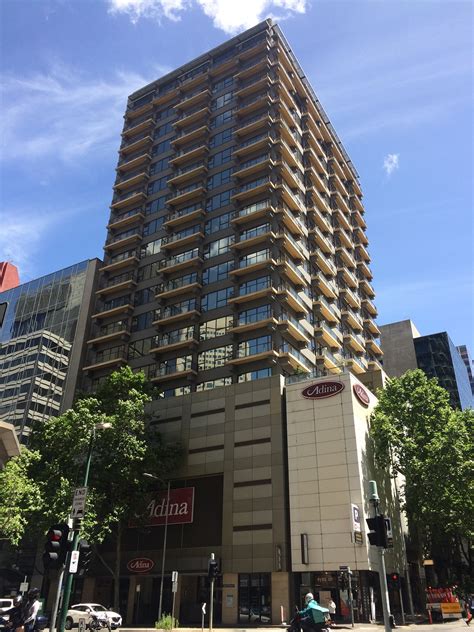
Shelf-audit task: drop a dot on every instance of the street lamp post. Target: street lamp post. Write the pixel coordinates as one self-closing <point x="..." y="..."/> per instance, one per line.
<point x="75" y="541"/>
<point x="165" y="536"/>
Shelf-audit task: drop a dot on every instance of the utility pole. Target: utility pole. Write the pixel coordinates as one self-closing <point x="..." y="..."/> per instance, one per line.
<point x="379" y="538"/>
<point x="212" y="574"/>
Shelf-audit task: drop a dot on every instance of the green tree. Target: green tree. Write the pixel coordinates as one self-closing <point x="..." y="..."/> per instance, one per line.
<point x="47" y="473"/>
<point x="418" y="435"/>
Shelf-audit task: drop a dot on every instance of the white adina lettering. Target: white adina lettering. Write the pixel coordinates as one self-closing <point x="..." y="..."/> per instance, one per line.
<point x="158" y="509"/>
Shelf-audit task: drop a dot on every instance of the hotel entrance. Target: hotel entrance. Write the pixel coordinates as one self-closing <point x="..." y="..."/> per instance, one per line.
<point x="255" y="592"/>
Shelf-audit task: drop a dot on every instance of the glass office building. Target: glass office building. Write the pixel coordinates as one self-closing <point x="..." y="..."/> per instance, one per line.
<point x="42" y="328"/>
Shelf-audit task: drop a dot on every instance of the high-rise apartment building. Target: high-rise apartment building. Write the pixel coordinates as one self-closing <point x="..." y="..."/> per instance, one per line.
<point x="42" y="329"/>
<point x="236" y="245"/>
<point x="464" y="353"/>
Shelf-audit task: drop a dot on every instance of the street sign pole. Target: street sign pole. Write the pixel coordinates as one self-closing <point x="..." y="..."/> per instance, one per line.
<point x="351" y="605"/>
<point x="174" y="588"/>
<point x="203" y="610"/>
<point x="211" y="608"/>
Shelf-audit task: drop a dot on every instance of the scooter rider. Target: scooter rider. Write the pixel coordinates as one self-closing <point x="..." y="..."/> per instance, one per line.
<point x="313" y="617"/>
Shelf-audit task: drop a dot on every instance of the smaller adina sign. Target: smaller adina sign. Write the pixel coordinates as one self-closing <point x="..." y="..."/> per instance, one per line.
<point x="361" y="394"/>
<point x="140" y="565"/>
<point x="322" y="390"/>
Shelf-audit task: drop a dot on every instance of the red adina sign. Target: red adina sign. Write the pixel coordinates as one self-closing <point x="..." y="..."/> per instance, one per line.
<point x="140" y="565"/>
<point x="322" y="390"/>
<point x="180" y="508"/>
<point x="361" y="394"/>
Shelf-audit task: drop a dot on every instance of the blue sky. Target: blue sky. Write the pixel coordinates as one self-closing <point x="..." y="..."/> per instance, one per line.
<point x="395" y="77"/>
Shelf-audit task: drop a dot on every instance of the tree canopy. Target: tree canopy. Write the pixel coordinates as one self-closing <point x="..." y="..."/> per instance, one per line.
<point x="419" y="435"/>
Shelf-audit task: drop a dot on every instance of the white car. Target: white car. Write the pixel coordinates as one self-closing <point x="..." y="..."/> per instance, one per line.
<point x="5" y="604"/>
<point x="83" y="610"/>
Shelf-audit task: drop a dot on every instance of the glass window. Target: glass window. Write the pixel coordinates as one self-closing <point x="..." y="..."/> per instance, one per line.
<point x="254" y="257"/>
<point x="215" y="202"/>
<point x="210" y="384"/>
<point x="222" y="118"/>
<point x="218" y="247"/>
<point x="217" y="273"/>
<point x="153" y="226"/>
<point x="160" y="165"/>
<point x="255" y="285"/>
<point x="175" y="365"/>
<point x="157" y="185"/>
<point x="221" y="138"/>
<point x="157" y="205"/>
<point x="144" y="296"/>
<point x="221" y="100"/>
<point x="222" y="83"/>
<point x="150" y="248"/>
<point x="148" y="272"/>
<point x="177" y="308"/>
<point x="164" y="129"/>
<point x="143" y="321"/>
<point x="255" y="314"/>
<point x="176" y="392"/>
<point x="215" y="328"/>
<point x="254" y="232"/>
<point x="254" y="346"/>
<point x="160" y="148"/>
<point x="254" y="598"/>
<point x="217" y="223"/>
<point x="213" y="358"/>
<point x="139" y="348"/>
<point x="223" y="177"/>
<point x="213" y="300"/>
<point x="220" y="158"/>
<point x="165" y="113"/>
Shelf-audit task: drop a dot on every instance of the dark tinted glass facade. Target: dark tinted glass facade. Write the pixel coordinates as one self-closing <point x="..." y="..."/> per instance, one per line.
<point x="38" y="324"/>
<point x="438" y="357"/>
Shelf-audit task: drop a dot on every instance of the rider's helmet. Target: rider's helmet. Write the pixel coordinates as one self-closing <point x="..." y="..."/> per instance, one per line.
<point x="308" y="597"/>
<point x="33" y="593"/>
<point x="17" y="601"/>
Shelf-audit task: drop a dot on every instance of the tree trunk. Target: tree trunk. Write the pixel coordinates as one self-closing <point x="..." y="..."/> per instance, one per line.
<point x="117" y="567"/>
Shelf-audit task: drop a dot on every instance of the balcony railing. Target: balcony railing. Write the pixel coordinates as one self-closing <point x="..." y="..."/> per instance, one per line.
<point x="175" y="310"/>
<point x="181" y="258"/>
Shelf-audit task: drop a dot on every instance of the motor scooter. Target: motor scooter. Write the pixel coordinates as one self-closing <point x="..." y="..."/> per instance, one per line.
<point x="295" y="624"/>
<point x="40" y="624"/>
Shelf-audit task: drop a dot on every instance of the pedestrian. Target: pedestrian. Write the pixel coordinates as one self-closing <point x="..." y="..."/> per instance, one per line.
<point x="15" y="615"/>
<point x="332" y="610"/>
<point x="314" y="616"/>
<point x="31" y="609"/>
<point x="469" y="607"/>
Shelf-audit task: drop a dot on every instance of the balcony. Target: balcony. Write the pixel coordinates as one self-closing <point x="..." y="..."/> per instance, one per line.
<point x="354" y="341"/>
<point x="327" y="287"/>
<point x="322" y="241"/>
<point x="114" y="311"/>
<point x="320" y="201"/>
<point x="342" y="220"/>
<point x="328" y="311"/>
<point x="134" y="145"/>
<point x="292" y="177"/>
<point x="143" y="126"/>
<point x="369" y="306"/>
<point x="351" y="298"/>
<point x="118" y="284"/>
<point x="164" y="97"/>
<point x="253" y="68"/>
<point x="254" y="103"/>
<point x="250" y="167"/>
<point x="133" y="163"/>
<point x="356" y="365"/>
<point x="365" y="270"/>
<point x="118" y="242"/>
<point x="173" y="313"/>
<point x="252" y="296"/>
<point x="291" y="246"/>
<point x="373" y="346"/>
<point x="128" y="182"/>
<point x="293" y="328"/>
<point x="129" y="218"/>
<point x="346" y="257"/>
<point x="134" y="113"/>
<point x="352" y="319"/>
<point x="135" y="197"/>
<point x="191" y="134"/>
<point x="179" y="239"/>
<point x="248" y="265"/>
<point x="292" y="157"/>
<point x="253" y="124"/>
<point x="291" y="271"/>
<point x="296" y="360"/>
<point x="105" y="359"/>
<point x="332" y="362"/>
<point x="254" y="325"/>
<point x="345" y="238"/>
<point x="196" y="78"/>
<point x="366" y="287"/>
<point x="111" y="332"/>
<point x="256" y="357"/>
<point x="371" y="326"/>
<point x="260" y="141"/>
<point x="176" y="287"/>
<point x="323" y="263"/>
<point x="331" y="337"/>
<point x="359" y="236"/>
<point x="252" y="212"/>
<point x="182" y="216"/>
<point x="341" y="202"/>
<point x="316" y="159"/>
<point x="181" y="262"/>
<point x="253" y="85"/>
<point x="192" y="152"/>
<point x="191" y="116"/>
<point x="253" y="238"/>
<point x="174" y="341"/>
<point x="349" y="278"/>
<point x="250" y="189"/>
<point x="358" y="220"/>
<point x="362" y="253"/>
<point x="291" y="199"/>
<point x="166" y="373"/>
<point x="293" y="299"/>
<point x="292" y="223"/>
<point x="374" y="365"/>
<point x="126" y="262"/>
<point x="189" y="172"/>
<point x="186" y="194"/>
<point x="193" y="99"/>
<point x="321" y="219"/>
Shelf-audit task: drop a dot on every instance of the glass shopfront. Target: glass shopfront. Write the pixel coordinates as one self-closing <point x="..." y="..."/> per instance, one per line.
<point x="255" y="592"/>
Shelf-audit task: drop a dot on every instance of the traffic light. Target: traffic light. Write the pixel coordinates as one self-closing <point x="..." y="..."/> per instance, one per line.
<point x="85" y="556"/>
<point x="56" y="546"/>
<point x="213" y="572"/>
<point x="343" y="584"/>
<point x="378" y="531"/>
<point x="394" y="579"/>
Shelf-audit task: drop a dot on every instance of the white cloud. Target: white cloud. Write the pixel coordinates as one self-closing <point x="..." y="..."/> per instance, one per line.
<point x="391" y="163"/>
<point x="63" y="114"/>
<point x="231" y="16"/>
